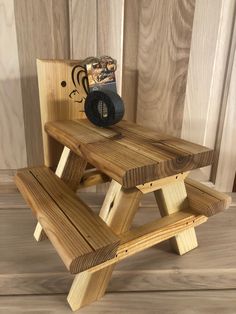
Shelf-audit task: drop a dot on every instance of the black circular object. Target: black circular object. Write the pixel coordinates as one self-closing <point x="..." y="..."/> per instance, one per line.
<point x="104" y="108"/>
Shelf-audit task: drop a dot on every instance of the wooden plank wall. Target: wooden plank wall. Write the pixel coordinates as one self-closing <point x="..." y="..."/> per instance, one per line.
<point x="12" y="136"/>
<point x="42" y="32"/>
<point x="211" y="38"/>
<point x="172" y="58"/>
<point x="165" y="31"/>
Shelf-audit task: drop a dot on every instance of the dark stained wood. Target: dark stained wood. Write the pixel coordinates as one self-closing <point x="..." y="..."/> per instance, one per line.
<point x="81" y="238"/>
<point x="129" y="153"/>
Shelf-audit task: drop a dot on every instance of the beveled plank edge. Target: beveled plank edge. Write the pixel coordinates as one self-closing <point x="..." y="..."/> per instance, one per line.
<point x="227" y="199"/>
<point x="221" y="203"/>
<point x="147" y="235"/>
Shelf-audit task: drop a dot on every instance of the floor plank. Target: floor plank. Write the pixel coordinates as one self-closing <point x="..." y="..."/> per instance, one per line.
<point x="184" y="302"/>
<point x="28" y="267"/>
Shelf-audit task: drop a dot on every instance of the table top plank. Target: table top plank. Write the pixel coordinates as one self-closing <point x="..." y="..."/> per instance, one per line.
<point x="129" y="153"/>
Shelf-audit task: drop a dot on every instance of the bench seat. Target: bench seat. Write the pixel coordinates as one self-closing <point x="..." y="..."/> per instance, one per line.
<point x="81" y="238"/>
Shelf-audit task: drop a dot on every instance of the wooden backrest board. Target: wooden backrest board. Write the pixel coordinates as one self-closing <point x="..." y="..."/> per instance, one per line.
<point x="62" y="92"/>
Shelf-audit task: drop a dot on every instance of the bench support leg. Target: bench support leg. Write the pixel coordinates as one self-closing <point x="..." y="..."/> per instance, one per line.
<point x="70" y="169"/>
<point x="118" y="211"/>
<point x="170" y="199"/>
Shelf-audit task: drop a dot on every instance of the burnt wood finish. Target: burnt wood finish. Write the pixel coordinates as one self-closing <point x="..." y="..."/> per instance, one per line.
<point x="129" y="153"/>
<point x="80" y="237"/>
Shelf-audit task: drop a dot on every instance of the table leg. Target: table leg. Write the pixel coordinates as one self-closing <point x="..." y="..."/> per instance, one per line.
<point x="118" y="211"/>
<point x="70" y="169"/>
<point x="170" y="199"/>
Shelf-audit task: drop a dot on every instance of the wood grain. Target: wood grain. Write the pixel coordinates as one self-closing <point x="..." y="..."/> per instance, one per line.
<point x="200" y="302"/>
<point x="164" y="46"/>
<point x="170" y="199"/>
<point x="154" y="232"/>
<point x="224" y="167"/>
<point x="211" y="37"/>
<point x="28" y="267"/>
<point x="12" y="139"/>
<point x="77" y="234"/>
<point x="130" y="58"/>
<point x="58" y="102"/>
<point x="88" y="287"/>
<point x="205" y="200"/>
<point x="110" y="17"/>
<point x="42" y="32"/>
<point x="83" y="28"/>
<point x="154" y="155"/>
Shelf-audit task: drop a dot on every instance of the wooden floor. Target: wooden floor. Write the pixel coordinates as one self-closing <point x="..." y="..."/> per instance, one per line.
<point x="34" y="280"/>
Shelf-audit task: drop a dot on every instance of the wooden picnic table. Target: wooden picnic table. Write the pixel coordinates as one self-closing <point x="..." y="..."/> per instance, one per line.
<point x="136" y="160"/>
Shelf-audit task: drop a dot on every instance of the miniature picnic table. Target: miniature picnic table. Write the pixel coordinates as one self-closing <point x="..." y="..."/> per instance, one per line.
<point x="137" y="160"/>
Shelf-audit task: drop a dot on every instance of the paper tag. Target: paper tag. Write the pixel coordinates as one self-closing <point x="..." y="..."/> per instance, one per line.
<point x="101" y="74"/>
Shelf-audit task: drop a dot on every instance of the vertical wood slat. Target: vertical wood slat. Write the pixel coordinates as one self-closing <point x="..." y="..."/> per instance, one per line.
<point x="164" y="46"/>
<point x="110" y="18"/>
<point x="12" y="136"/>
<point x="42" y="32"/>
<point x="226" y="167"/>
<point x="83" y="28"/>
<point x="212" y="29"/>
<point x="130" y="58"/>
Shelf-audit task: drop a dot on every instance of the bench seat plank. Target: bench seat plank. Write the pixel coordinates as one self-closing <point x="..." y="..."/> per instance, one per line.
<point x="81" y="238"/>
<point x="205" y="200"/>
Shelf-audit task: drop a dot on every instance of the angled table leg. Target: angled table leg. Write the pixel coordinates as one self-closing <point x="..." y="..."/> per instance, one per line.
<point x="170" y="199"/>
<point x="70" y="169"/>
<point x="118" y="211"/>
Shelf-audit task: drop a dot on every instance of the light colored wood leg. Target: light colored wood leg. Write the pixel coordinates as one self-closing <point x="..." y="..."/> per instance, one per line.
<point x="118" y="211"/>
<point x="39" y="234"/>
<point x="170" y="199"/>
<point x="70" y="169"/>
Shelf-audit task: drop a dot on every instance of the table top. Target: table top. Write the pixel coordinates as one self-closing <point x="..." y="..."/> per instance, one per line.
<point x="129" y="153"/>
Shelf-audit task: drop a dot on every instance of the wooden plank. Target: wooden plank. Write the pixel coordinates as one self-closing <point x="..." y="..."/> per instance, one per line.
<point x="130" y="58"/>
<point x="59" y="102"/>
<point x="110" y="19"/>
<point x="165" y="31"/>
<point x="88" y="287"/>
<point x="210" y="302"/>
<point x="11" y="110"/>
<point x="170" y="199"/>
<point x="205" y="200"/>
<point x="152" y="233"/>
<point x="206" y="74"/>
<point x="28" y="267"/>
<point x="46" y="37"/>
<point x="224" y="167"/>
<point x="158" y="184"/>
<point x="70" y="225"/>
<point x="83" y="28"/>
<point x="73" y="170"/>
<point x="152" y="158"/>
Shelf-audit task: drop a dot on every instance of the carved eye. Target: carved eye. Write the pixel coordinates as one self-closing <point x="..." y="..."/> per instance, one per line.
<point x="73" y="93"/>
<point x="63" y="83"/>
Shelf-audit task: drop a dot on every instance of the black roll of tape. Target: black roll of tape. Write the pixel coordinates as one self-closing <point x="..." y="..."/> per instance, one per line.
<point x="104" y="108"/>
